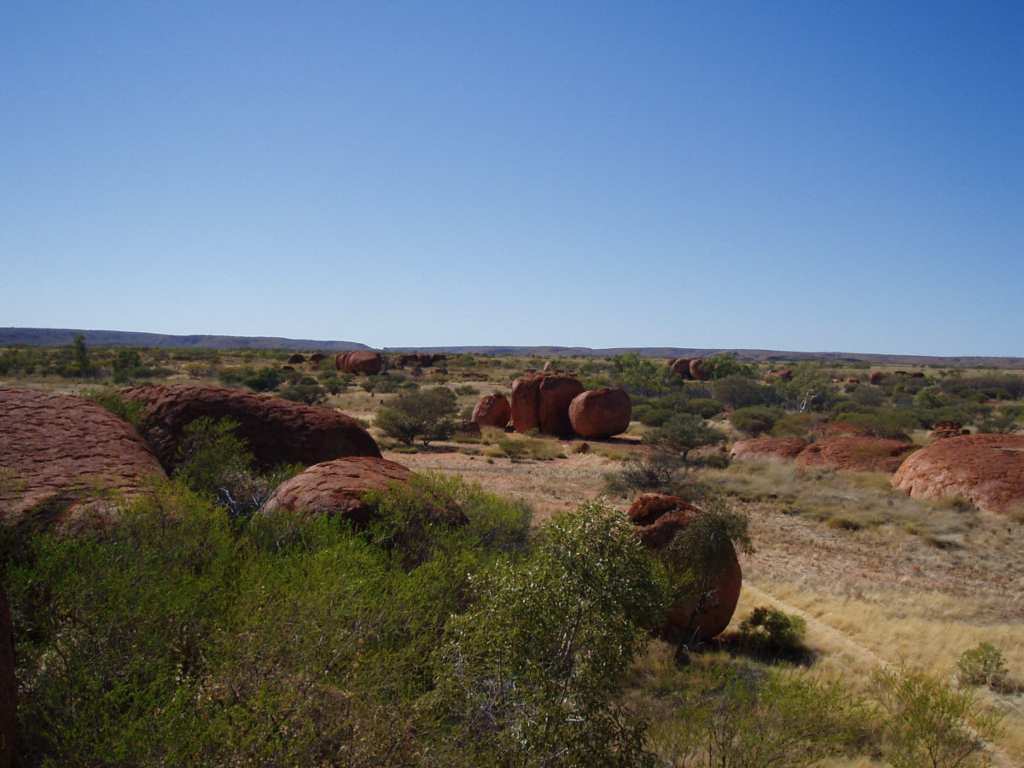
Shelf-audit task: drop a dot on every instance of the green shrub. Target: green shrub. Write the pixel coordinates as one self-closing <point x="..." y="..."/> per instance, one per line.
<point x="527" y="675"/>
<point x="681" y="434"/>
<point x="755" y="420"/>
<point x="738" y="392"/>
<point x="983" y="665"/>
<point x="424" y="414"/>
<point x="645" y="473"/>
<point x="774" y="629"/>
<point x="930" y="722"/>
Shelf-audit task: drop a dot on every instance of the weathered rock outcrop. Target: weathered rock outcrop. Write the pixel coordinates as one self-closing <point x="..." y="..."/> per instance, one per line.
<point x="62" y="452"/>
<point x="988" y="470"/>
<point x="864" y="454"/>
<point x="337" y="487"/>
<point x="295" y="359"/>
<point x="697" y="370"/>
<point x="772" y="448"/>
<point x="8" y="686"/>
<point x="782" y="374"/>
<point x="681" y="367"/>
<point x="362" y="361"/>
<point x="493" y="411"/>
<point x="658" y="518"/>
<point x="540" y="401"/>
<point x="877" y="377"/>
<point x="600" y="413"/>
<point x="278" y="431"/>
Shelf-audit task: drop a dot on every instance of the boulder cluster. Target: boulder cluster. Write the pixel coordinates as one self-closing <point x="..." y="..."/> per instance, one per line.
<point x="689" y="368"/>
<point x="418" y="360"/>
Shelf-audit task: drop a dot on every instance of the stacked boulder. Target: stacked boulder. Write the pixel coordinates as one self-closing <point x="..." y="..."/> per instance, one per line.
<point x="541" y="402"/>
<point x="946" y="429"/>
<point x="697" y="617"/>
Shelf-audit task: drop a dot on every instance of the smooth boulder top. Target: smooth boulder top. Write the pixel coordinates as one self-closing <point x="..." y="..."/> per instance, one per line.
<point x="771" y="448"/>
<point x="61" y="454"/>
<point x="337" y="487"/>
<point x="863" y="454"/>
<point x="278" y="431"/>
<point x="493" y="410"/>
<point x="601" y="412"/>
<point x="988" y="470"/>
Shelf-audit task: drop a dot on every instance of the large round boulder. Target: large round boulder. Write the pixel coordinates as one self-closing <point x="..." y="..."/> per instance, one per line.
<point x="362" y="361"/>
<point x="770" y="448"/>
<point x="864" y="454"/>
<point x="691" y="619"/>
<point x="541" y="401"/>
<point x="697" y="370"/>
<point x="681" y="367"/>
<point x="8" y="686"/>
<point x="295" y="359"/>
<point x="556" y="393"/>
<point x="278" y="431"/>
<point x="337" y="488"/>
<point x="600" y="413"/>
<point x="493" y="410"/>
<point x="61" y="454"/>
<point x="988" y="470"/>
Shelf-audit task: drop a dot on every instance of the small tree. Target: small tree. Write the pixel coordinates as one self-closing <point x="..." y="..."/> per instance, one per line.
<point x="426" y="415"/>
<point x="681" y="434"/>
<point x="81" y="355"/>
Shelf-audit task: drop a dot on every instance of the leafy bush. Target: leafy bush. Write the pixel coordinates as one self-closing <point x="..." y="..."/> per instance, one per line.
<point x="310" y="394"/>
<point x="738" y="392"/>
<point x="738" y="716"/>
<point x="424" y="414"/>
<point x="773" y="629"/>
<point x="645" y="473"/>
<point x="681" y="434"/>
<point x="755" y="420"/>
<point x="984" y="665"/>
<point x="723" y="366"/>
<point x="930" y="722"/>
<point x="527" y="675"/>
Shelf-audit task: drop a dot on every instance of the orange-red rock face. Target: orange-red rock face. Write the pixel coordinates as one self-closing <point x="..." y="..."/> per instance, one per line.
<point x="493" y="411"/>
<point x="61" y="452"/>
<point x="988" y="470"/>
<point x="278" y="431"/>
<point x="600" y="413"/>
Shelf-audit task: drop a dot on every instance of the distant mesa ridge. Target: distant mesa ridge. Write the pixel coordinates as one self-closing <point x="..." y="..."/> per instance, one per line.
<point x="54" y="337"/>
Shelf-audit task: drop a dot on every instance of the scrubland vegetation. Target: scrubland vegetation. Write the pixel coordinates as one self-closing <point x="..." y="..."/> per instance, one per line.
<point x="874" y="629"/>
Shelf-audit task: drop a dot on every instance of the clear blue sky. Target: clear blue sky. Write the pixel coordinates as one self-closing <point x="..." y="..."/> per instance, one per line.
<point x="811" y="176"/>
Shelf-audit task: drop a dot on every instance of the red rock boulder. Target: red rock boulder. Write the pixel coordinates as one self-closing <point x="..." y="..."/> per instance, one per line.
<point x="863" y="454"/>
<point x="658" y="518"/>
<point x="493" y="411"/>
<point x="600" y="413"/>
<point x="316" y="357"/>
<point x="946" y="429"/>
<point x="770" y="448"/>
<point x="782" y="374"/>
<point x="278" y="431"/>
<point x="295" y="359"/>
<point x="877" y="377"/>
<point x="362" y="361"/>
<point x="681" y="367"/>
<point x="526" y="402"/>
<point x="556" y="393"/>
<point x="697" y="370"/>
<point x="61" y="452"/>
<point x="337" y="488"/>
<point x="988" y="470"/>
<point x="8" y="686"/>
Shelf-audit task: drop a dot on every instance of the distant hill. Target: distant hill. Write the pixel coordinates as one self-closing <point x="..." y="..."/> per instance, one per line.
<point x="56" y="337"/>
